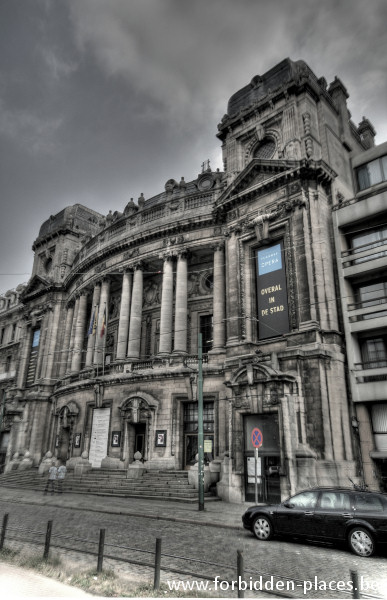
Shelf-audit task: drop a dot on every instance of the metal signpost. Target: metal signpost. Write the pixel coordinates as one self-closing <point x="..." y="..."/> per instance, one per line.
<point x="257" y="441"/>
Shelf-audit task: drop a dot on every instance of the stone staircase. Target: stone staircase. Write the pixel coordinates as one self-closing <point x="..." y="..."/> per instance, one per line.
<point x="156" y="485"/>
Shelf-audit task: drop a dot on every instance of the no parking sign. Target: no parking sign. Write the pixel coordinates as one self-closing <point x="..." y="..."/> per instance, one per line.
<point x="256" y="437"/>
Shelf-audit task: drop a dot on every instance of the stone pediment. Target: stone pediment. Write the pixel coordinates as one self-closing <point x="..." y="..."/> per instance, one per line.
<point x="36" y="286"/>
<point x="259" y="173"/>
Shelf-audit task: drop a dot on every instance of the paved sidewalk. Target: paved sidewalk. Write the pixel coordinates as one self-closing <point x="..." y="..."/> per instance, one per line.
<point x="16" y="582"/>
<point x="216" y="514"/>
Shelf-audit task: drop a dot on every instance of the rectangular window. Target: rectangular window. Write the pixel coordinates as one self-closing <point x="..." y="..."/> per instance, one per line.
<point x="2" y="334"/>
<point x="8" y="364"/>
<point x="372" y="294"/>
<point x="368" y="240"/>
<point x="374" y="353"/>
<point x="206" y="329"/>
<point x="372" y="173"/>
<point x="190" y="426"/>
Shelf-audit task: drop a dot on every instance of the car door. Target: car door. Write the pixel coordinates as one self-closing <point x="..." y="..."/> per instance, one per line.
<point x="333" y="512"/>
<point x="295" y="515"/>
<point x="371" y="509"/>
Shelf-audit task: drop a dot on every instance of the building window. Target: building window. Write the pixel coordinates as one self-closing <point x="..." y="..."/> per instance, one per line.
<point x="372" y="173"/>
<point x="8" y="364"/>
<point x="206" y="329"/>
<point x="372" y="294"/>
<point x="265" y="150"/>
<point x="13" y="332"/>
<point x="190" y="426"/>
<point x="374" y="352"/>
<point x="379" y="425"/>
<point x="2" y="334"/>
<point x="367" y="240"/>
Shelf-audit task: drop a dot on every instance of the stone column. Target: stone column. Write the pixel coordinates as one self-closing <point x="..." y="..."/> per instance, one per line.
<point x="66" y="340"/>
<point x="166" y="307"/>
<point x="123" y="326"/>
<point x="219" y="300"/>
<point x="92" y="336"/>
<point x="134" y="344"/>
<point x="45" y="326"/>
<point x="232" y="288"/>
<point x="80" y="325"/>
<point x="25" y="351"/>
<point x="181" y="304"/>
<point x="104" y="304"/>
<point x="72" y="336"/>
<point x="53" y="358"/>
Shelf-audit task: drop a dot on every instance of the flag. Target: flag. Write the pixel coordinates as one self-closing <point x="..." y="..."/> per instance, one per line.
<point x="103" y="323"/>
<point x="91" y="329"/>
<point x="95" y="320"/>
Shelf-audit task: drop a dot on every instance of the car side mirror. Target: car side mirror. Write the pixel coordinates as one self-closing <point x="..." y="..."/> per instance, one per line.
<point x="288" y="505"/>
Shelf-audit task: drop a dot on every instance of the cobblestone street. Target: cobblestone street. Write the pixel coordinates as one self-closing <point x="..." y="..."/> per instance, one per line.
<point x="202" y="542"/>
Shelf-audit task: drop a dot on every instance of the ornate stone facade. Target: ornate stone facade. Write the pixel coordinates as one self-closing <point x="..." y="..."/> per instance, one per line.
<point x="105" y="359"/>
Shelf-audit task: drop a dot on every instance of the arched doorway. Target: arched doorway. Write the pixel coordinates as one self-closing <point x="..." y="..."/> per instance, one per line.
<point x="137" y="413"/>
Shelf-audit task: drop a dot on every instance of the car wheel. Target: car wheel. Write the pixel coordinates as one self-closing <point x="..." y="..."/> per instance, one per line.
<point x="262" y="528"/>
<point x="361" y="541"/>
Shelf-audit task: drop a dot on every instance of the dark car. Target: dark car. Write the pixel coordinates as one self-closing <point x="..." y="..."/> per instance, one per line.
<point x="358" y="518"/>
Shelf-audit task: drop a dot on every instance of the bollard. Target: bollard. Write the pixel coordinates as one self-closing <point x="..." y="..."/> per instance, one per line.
<point x="3" y="530"/>
<point x="355" y="582"/>
<point x="240" y="573"/>
<point x="100" y="549"/>
<point x="156" y="584"/>
<point x="47" y="541"/>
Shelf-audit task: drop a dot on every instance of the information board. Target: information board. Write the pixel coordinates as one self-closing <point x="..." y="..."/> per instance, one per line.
<point x="273" y="317"/>
<point x="251" y="469"/>
<point x="99" y="436"/>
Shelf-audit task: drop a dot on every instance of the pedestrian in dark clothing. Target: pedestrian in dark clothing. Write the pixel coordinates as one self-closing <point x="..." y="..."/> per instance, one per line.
<point x="52" y="475"/>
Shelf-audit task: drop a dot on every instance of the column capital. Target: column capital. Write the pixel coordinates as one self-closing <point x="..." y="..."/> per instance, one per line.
<point x="138" y="266"/>
<point x="182" y="253"/>
<point x="218" y="245"/>
<point x="167" y="256"/>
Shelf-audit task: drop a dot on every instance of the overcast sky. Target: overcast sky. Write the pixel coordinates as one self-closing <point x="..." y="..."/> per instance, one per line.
<point x="101" y="100"/>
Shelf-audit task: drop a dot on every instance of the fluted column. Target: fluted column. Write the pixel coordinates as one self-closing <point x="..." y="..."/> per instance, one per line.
<point x="104" y="304"/>
<point x="123" y="326"/>
<point x="80" y="326"/>
<point x="66" y="340"/>
<point x="72" y="335"/>
<point x="134" y="343"/>
<point x="91" y="337"/>
<point x="166" y="308"/>
<point x="219" y="300"/>
<point x="232" y="289"/>
<point x="181" y="304"/>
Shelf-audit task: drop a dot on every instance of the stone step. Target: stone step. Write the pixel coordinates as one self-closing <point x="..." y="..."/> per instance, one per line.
<point x="157" y="485"/>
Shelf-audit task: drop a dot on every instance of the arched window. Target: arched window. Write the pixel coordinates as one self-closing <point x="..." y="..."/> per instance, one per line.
<point x="265" y="149"/>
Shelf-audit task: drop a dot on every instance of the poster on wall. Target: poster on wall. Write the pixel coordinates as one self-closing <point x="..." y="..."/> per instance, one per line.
<point x="273" y="314"/>
<point x="99" y="436"/>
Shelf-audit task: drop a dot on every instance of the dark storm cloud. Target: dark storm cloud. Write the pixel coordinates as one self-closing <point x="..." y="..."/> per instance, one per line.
<point x="103" y="99"/>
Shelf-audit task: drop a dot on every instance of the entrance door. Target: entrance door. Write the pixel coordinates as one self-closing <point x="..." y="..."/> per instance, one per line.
<point x="268" y="456"/>
<point x="139" y="438"/>
<point x="64" y="440"/>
